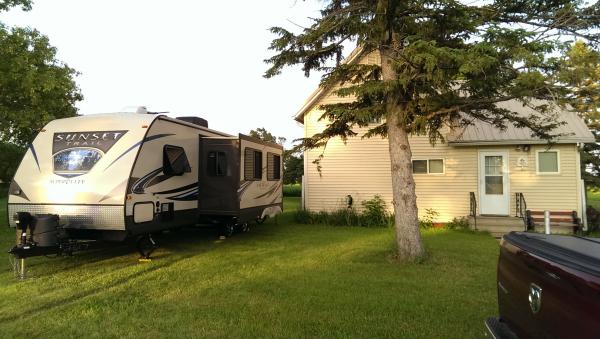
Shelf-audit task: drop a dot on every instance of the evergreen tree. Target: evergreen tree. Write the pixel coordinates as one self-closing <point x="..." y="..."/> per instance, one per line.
<point x="8" y="4"/>
<point x="580" y="71"/>
<point x="443" y="62"/>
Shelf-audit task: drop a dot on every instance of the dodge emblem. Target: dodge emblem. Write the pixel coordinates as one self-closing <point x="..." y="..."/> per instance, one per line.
<point x="535" y="298"/>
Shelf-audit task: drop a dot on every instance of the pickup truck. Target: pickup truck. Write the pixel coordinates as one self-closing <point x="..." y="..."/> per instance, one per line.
<point x="548" y="287"/>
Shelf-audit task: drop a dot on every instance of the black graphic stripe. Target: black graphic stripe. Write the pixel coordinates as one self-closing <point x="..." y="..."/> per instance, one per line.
<point x="243" y="187"/>
<point x="139" y="187"/>
<point x="187" y="196"/>
<point x="154" y="137"/>
<point x="269" y="192"/>
<point x="35" y="156"/>
<point x="179" y="189"/>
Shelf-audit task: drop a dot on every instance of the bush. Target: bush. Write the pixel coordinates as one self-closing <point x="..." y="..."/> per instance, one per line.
<point x="292" y="190"/>
<point x="302" y="217"/>
<point x="593" y="218"/>
<point x="374" y="215"/>
<point x="4" y="189"/>
<point x="430" y="216"/>
<point x="459" y="223"/>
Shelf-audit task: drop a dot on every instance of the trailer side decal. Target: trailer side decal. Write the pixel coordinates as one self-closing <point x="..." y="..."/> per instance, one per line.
<point x="179" y="189"/>
<point x="269" y="192"/>
<point x="139" y="186"/>
<point x="187" y="196"/>
<point x="35" y="156"/>
<point x="154" y="137"/>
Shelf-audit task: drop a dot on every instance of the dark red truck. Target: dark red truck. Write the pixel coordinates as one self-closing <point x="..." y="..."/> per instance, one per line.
<point x="548" y="287"/>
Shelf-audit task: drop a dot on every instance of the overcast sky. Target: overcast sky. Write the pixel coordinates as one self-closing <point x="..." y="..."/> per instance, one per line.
<point x="200" y="58"/>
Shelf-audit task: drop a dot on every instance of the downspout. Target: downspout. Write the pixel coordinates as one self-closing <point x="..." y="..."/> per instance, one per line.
<point x="304" y="185"/>
<point x="581" y="202"/>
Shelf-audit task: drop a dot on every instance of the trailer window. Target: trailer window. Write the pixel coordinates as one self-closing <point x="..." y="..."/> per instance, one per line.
<point x="216" y="164"/>
<point x="273" y="167"/>
<point x="76" y="160"/>
<point x="175" y="162"/>
<point x="252" y="164"/>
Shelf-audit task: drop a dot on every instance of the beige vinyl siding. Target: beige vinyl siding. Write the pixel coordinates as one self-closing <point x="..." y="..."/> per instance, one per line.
<point x="361" y="168"/>
<point x="558" y="192"/>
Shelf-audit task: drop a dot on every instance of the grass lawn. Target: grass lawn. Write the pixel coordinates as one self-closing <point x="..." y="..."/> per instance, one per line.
<point x="593" y="199"/>
<point x="279" y="280"/>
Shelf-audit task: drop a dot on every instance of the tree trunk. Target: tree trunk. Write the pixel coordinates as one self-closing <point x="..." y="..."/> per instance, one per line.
<point x="408" y="235"/>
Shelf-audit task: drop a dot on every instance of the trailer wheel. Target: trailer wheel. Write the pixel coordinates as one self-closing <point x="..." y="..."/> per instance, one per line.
<point x="228" y="229"/>
<point x="244" y="227"/>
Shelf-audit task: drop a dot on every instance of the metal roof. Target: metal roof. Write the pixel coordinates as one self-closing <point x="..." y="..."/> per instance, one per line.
<point x="572" y="131"/>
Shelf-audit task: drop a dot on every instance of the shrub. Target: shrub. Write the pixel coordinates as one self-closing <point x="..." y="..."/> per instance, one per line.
<point x="302" y="217"/>
<point x="430" y="216"/>
<point x="292" y="190"/>
<point x="593" y="218"/>
<point x="375" y="213"/>
<point x="4" y="189"/>
<point x="459" y="223"/>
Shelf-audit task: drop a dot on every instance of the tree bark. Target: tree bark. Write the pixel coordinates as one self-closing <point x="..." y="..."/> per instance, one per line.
<point x="408" y="234"/>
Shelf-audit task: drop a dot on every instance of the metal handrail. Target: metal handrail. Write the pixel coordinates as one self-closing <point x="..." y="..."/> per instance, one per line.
<point x="473" y="208"/>
<point x="521" y="209"/>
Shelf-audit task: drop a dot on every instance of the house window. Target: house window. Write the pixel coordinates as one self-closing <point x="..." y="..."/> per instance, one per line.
<point x="273" y="167"/>
<point x="252" y="164"/>
<point x="216" y="164"/>
<point x="548" y="162"/>
<point x="428" y="166"/>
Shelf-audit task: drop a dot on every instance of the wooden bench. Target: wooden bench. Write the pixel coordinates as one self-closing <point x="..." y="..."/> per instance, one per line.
<point x="560" y="221"/>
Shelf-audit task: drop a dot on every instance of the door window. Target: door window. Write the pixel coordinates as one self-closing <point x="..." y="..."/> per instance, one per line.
<point x="216" y="164"/>
<point x="494" y="175"/>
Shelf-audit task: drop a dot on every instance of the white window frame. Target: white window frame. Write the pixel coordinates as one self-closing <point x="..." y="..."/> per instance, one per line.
<point x="427" y="161"/>
<point x="537" y="161"/>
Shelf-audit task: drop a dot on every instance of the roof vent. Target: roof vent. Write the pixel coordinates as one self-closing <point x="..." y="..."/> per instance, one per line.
<point x="195" y="120"/>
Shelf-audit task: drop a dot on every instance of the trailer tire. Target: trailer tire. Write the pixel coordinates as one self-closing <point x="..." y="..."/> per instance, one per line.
<point x="244" y="227"/>
<point x="228" y="229"/>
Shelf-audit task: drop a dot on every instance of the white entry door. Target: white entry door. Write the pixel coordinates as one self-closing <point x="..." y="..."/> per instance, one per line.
<point x="493" y="183"/>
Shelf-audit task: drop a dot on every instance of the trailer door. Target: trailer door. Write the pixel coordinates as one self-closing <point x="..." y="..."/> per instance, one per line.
<point x="218" y="176"/>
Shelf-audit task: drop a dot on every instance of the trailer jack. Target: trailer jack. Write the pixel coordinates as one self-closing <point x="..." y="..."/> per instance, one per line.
<point x="146" y="245"/>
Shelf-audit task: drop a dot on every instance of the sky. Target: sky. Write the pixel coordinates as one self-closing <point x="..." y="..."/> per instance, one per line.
<point x="202" y="58"/>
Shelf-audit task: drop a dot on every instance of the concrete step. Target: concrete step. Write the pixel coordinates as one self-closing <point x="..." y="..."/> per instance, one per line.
<point x="497" y="221"/>
<point x="497" y="226"/>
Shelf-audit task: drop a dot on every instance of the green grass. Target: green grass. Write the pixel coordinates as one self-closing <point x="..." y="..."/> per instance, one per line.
<point x="279" y="280"/>
<point x="593" y="199"/>
<point x="292" y="190"/>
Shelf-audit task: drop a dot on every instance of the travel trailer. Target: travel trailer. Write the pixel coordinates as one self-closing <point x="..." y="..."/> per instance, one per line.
<point x="127" y="175"/>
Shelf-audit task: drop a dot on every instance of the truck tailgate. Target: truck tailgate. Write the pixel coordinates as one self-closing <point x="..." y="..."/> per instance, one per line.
<point x="549" y="285"/>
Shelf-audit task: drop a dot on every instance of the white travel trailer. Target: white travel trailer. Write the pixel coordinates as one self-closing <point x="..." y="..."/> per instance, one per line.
<point x="121" y="175"/>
